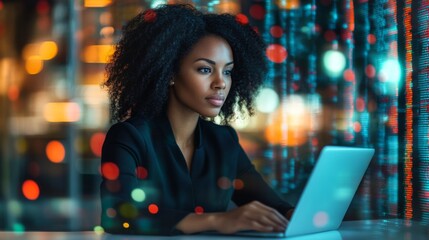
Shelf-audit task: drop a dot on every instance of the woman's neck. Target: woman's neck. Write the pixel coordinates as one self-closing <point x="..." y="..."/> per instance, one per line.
<point x="183" y="124"/>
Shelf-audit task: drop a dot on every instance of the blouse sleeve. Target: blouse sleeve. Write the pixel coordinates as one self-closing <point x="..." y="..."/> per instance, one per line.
<point x="254" y="186"/>
<point x="127" y="195"/>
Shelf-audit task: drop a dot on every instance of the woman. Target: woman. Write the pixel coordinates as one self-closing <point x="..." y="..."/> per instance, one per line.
<point x="167" y="168"/>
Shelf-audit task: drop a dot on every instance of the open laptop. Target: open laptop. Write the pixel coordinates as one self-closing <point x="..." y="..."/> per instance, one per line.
<point x="328" y="192"/>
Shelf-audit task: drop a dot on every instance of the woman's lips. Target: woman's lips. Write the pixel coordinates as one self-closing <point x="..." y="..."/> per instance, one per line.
<point x="216" y="101"/>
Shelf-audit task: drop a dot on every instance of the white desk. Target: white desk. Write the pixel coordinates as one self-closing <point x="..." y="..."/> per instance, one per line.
<point x="393" y="229"/>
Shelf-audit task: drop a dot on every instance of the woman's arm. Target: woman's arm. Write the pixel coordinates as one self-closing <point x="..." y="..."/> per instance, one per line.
<point x="252" y="216"/>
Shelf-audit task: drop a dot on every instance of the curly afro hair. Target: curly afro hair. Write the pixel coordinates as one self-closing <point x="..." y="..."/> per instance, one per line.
<point x="152" y="46"/>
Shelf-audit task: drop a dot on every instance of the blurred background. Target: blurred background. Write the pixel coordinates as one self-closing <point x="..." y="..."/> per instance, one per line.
<point x="341" y="72"/>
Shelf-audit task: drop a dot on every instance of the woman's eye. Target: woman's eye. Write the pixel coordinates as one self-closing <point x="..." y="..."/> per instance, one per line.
<point x="227" y="72"/>
<point x="204" y="70"/>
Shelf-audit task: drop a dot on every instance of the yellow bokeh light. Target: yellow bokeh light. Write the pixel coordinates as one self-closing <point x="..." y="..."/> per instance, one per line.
<point x="62" y="112"/>
<point x="126" y="225"/>
<point x="48" y="50"/>
<point x="34" y="65"/>
<point x="96" y="3"/>
<point x="98" y="53"/>
<point x="44" y="50"/>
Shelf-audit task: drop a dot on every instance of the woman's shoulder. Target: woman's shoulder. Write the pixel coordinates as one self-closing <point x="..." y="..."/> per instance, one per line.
<point x="131" y="127"/>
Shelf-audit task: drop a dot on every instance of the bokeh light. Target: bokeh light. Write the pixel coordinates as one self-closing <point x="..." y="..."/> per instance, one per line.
<point x="390" y="71"/>
<point x="267" y="100"/>
<point x="55" y="151"/>
<point x="128" y="210"/>
<point x="98" y="53"/>
<point x="138" y="195"/>
<point x="96" y="3"/>
<point x="199" y="210"/>
<point x="276" y="53"/>
<point x="34" y="65"/>
<point x="257" y="11"/>
<point x="276" y="31"/>
<point x="141" y="172"/>
<point x="224" y="183"/>
<point x="334" y="63"/>
<point x="48" y="50"/>
<point x="30" y="190"/>
<point x="96" y="143"/>
<point x="110" y="170"/>
<point x="320" y="219"/>
<point x="62" y="112"/>
<point x="238" y="184"/>
<point x="99" y="230"/>
<point x="126" y="225"/>
<point x="153" y="208"/>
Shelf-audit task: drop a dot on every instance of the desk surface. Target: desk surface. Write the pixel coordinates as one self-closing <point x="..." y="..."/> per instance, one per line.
<point x="391" y="229"/>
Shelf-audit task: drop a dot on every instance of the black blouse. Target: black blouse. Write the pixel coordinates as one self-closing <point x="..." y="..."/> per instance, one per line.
<point x="147" y="187"/>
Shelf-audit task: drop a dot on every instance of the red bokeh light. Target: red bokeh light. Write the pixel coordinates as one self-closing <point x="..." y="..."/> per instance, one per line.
<point x="257" y="11"/>
<point x="199" y="210"/>
<point x="30" y="190"/>
<point x="276" y="53"/>
<point x="96" y="143"/>
<point x="110" y="171"/>
<point x="276" y="31"/>
<point x="153" y="208"/>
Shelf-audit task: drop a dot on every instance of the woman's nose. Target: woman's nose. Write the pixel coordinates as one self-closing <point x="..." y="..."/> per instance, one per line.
<point x="219" y="82"/>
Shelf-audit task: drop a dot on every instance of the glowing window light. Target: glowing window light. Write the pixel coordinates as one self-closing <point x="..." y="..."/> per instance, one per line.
<point x="110" y="170"/>
<point x="30" y="189"/>
<point x="96" y="3"/>
<point x="55" y="151"/>
<point x="62" y="112"/>
<point x="34" y="65"/>
<point x="276" y="53"/>
<point x="334" y="62"/>
<point x="153" y="208"/>
<point x="138" y="195"/>
<point x="96" y="143"/>
<point x="98" y="53"/>
<point x="391" y="71"/>
<point x="267" y="100"/>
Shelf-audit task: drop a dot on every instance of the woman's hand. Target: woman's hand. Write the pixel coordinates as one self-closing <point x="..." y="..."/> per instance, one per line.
<point x="252" y="216"/>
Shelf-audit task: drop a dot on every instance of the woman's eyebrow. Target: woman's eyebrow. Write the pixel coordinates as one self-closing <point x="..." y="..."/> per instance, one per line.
<point x="210" y="61"/>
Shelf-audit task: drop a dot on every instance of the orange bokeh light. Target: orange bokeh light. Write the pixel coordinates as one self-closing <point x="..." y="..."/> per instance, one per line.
<point x="55" y="151"/>
<point x="30" y="189"/>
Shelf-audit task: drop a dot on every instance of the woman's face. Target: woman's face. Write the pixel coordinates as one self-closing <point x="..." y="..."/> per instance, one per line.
<point x="204" y="78"/>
